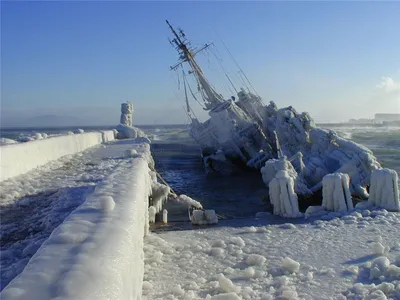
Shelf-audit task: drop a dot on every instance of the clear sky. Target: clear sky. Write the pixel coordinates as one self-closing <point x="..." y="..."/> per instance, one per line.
<point x="336" y="60"/>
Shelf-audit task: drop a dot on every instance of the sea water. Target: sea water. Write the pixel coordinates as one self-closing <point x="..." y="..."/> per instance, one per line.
<point x="178" y="160"/>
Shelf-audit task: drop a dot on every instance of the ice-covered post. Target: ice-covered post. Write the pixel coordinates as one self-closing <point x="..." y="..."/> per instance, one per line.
<point x="283" y="197"/>
<point x="384" y="189"/>
<point x="126" y="114"/>
<point x="336" y="192"/>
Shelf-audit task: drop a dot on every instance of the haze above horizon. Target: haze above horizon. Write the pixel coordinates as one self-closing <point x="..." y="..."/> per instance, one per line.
<point x="336" y="60"/>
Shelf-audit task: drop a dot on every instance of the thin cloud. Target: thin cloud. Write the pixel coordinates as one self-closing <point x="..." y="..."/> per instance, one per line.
<point x="388" y="85"/>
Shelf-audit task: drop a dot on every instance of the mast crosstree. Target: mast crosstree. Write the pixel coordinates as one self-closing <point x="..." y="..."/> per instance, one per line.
<point x="210" y="96"/>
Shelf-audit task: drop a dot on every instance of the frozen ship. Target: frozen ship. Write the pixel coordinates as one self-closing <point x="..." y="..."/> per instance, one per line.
<point x="243" y="132"/>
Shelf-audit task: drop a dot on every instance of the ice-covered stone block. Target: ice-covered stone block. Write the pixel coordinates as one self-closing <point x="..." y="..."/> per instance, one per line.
<point x="336" y="192"/>
<point x="198" y="217"/>
<point x="210" y="216"/>
<point x="384" y="189"/>
<point x="283" y="197"/>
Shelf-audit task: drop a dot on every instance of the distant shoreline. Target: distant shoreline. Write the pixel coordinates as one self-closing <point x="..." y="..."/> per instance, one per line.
<point x="108" y="127"/>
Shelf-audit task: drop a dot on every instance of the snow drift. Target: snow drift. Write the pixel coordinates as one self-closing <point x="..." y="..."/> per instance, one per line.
<point x="17" y="159"/>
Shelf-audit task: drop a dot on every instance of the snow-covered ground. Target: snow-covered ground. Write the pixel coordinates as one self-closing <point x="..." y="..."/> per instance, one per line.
<point x="353" y="256"/>
<point x="34" y="204"/>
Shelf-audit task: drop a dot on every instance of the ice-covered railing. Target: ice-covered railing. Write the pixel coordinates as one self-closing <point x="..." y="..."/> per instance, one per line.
<point x="19" y="158"/>
<point x="322" y="151"/>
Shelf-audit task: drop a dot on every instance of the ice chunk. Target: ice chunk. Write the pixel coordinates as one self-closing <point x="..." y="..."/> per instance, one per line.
<point x="290" y="265"/>
<point x="379" y="266"/>
<point x="336" y="193"/>
<point x="227" y="285"/>
<point x="106" y="203"/>
<point x="210" y="216"/>
<point x="249" y="272"/>
<point x="313" y="211"/>
<point x="237" y="240"/>
<point x="177" y="290"/>
<point x="198" y="218"/>
<point x="255" y="259"/>
<point x="283" y="197"/>
<point x="130" y="153"/>
<point x="225" y="296"/>
<point x="384" y="190"/>
<point x="378" y="248"/>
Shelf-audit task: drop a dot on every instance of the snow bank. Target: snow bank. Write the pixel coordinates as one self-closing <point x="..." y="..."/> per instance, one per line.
<point x="283" y="197"/>
<point x="5" y="141"/>
<point x="384" y="191"/>
<point x="17" y="159"/>
<point x="97" y="253"/>
<point x="336" y="192"/>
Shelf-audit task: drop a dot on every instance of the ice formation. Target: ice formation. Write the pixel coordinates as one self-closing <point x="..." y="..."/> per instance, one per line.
<point x="189" y="201"/>
<point x="282" y="196"/>
<point x="336" y="193"/>
<point x="384" y="190"/>
<point x="126" y="114"/>
<point x="159" y="195"/>
<point x="203" y="217"/>
<point x="273" y="166"/>
<point x="165" y="216"/>
<point x="125" y="128"/>
<point x="152" y="214"/>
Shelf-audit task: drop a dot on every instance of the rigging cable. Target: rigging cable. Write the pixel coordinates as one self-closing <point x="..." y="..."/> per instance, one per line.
<point x="227" y="88"/>
<point x="237" y="64"/>
<point x="222" y="67"/>
<point x="191" y="92"/>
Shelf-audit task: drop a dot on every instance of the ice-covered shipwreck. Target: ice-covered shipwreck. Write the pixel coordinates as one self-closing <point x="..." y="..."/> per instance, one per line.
<point x="244" y="132"/>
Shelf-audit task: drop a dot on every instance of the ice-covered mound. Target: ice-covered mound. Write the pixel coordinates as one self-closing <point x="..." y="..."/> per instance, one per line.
<point x="322" y="151"/>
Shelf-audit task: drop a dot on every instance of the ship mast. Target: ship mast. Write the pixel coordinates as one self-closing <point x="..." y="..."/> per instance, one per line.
<point x="210" y="96"/>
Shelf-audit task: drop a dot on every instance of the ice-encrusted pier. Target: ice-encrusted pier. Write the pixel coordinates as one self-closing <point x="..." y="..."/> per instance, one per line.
<point x="85" y="214"/>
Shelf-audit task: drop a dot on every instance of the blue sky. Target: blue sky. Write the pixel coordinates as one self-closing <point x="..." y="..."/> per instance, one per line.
<point x="335" y="60"/>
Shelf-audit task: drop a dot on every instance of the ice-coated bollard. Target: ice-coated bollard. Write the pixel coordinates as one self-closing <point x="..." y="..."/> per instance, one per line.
<point x="384" y="189"/>
<point x="165" y="216"/>
<point x="336" y="192"/>
<point x="283" y="197"/>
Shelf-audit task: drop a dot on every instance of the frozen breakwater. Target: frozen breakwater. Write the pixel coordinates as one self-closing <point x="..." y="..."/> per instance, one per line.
<point x="17" y="159"/>
<point x="97" y="252"/>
